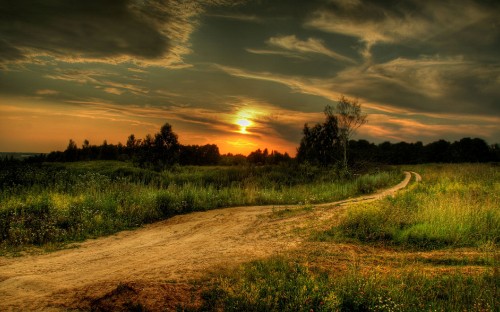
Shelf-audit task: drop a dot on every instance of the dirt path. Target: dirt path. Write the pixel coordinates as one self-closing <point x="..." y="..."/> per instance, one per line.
<point x="179" y="249"/>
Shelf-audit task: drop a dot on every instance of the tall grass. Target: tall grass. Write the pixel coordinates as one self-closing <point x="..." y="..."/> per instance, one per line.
<point x="61" y="203"/>
<point x="455" y="205"/>
<point x="280" y="284"/>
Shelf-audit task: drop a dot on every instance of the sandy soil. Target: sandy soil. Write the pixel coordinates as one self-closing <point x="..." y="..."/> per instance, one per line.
<point x="159" y="259"/>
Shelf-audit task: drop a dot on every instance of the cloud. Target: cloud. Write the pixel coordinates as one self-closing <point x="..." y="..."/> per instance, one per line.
<point x="401" y="121"/>
<point x="410" y="22"/>
<point x="87" y="29"/>
<point x="311" y="45"/>
<point x="274" y="52"/>
<point x="310" y="86"/>
<point x="46" y="92"/>
<point x="401" y="128"/>
<point x="144" y="32"/>
<point x="426" y="76"/>
<point x="114" y="91"/>
<point x="238" y="17"/>
<point x="427" y="84"/>
<point x="100" y="79"/>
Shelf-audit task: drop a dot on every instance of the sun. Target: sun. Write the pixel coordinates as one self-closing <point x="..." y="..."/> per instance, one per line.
<point x="243" y="123"/>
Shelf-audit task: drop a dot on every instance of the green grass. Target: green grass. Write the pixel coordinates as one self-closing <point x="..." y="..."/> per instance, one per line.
<point x="403" y="268"/>
<point x="454" y="206"/>
<point x="59" y="203"/>
<point x="281" y="284"/>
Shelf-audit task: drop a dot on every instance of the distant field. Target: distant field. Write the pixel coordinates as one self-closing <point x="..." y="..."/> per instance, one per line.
<point x="64" y="202"/>
<point x="18" y="156"/>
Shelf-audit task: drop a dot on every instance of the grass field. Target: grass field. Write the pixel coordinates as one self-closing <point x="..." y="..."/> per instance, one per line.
<point x="432" y="247"/>
<point x="60" y="203"/>
<point x="456" y="206"/>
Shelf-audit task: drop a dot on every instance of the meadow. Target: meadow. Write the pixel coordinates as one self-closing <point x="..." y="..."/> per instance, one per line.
<point x="56" y="203"/>
<point x="431" y="247"/>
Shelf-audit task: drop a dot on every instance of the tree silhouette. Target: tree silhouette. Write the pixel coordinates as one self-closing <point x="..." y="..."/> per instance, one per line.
<point x="71" y="152"/>
<point x="438" y="152"/>
<point x="471" y="150"/>
<point x="320" y="144"/>
<point x="166" y="146"/>
<point x="349" y="119"/>
<point x="199" y="155"/>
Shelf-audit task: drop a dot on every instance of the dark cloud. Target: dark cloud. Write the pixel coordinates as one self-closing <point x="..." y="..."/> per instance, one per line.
<point x="265" y="9"/>
<point x="9" y="52"/>
<point x="409" y="23"/>
<point x="89" y="29"/>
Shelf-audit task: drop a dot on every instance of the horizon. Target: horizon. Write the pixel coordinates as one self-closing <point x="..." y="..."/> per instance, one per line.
<point x="293" y="155"/>
<point x="243" y="74"/>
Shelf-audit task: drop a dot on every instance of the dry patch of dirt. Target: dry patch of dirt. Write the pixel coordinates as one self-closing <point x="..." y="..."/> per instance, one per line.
<point x="134" y="296"/>
<point x="153" y="266"/>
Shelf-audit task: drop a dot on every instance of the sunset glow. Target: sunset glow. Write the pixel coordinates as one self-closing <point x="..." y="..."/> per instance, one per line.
<point x="246" y="74"/>
<point x="243" y="123"/>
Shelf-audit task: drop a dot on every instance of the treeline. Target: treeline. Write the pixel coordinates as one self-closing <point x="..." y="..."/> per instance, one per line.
<point x="163" y="150"/>
<point x="471" y="150"/>
<point x="328" y="143"/>
<point x="160" y="151"/>
<point x="155" y="152"/>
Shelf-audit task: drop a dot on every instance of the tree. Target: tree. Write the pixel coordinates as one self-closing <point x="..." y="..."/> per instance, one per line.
<point x="495" y="151"/>
<point x="86" y="144"/>
<point x="199" y="155"/>
<point x="470" y="150"/>
<point x="258" y="157"/>
<point x="85" y="153"/>
<point x="362" y="152"/>
<point x="167" y="147"/>
<point x="349" y="119"/>
<point x="438" y="152"/>
<point x="108" y="151"/>
<point x="145" y="154"/>
<point x="71" y="152"/>
<point x="320" y="143"/>
<point x="132" y="144"/>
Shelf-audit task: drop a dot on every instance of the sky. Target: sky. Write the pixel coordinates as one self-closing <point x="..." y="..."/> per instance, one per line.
<point x="245" y="74"/>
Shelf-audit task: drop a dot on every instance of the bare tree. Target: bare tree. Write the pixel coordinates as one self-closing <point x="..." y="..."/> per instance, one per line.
<point x="349" y="119"/>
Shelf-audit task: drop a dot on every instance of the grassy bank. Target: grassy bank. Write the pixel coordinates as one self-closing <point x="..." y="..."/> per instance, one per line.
<point x="57" y="203"/>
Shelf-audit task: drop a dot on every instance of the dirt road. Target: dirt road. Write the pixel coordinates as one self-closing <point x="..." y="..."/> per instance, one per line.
<point x="173" y="251"/>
